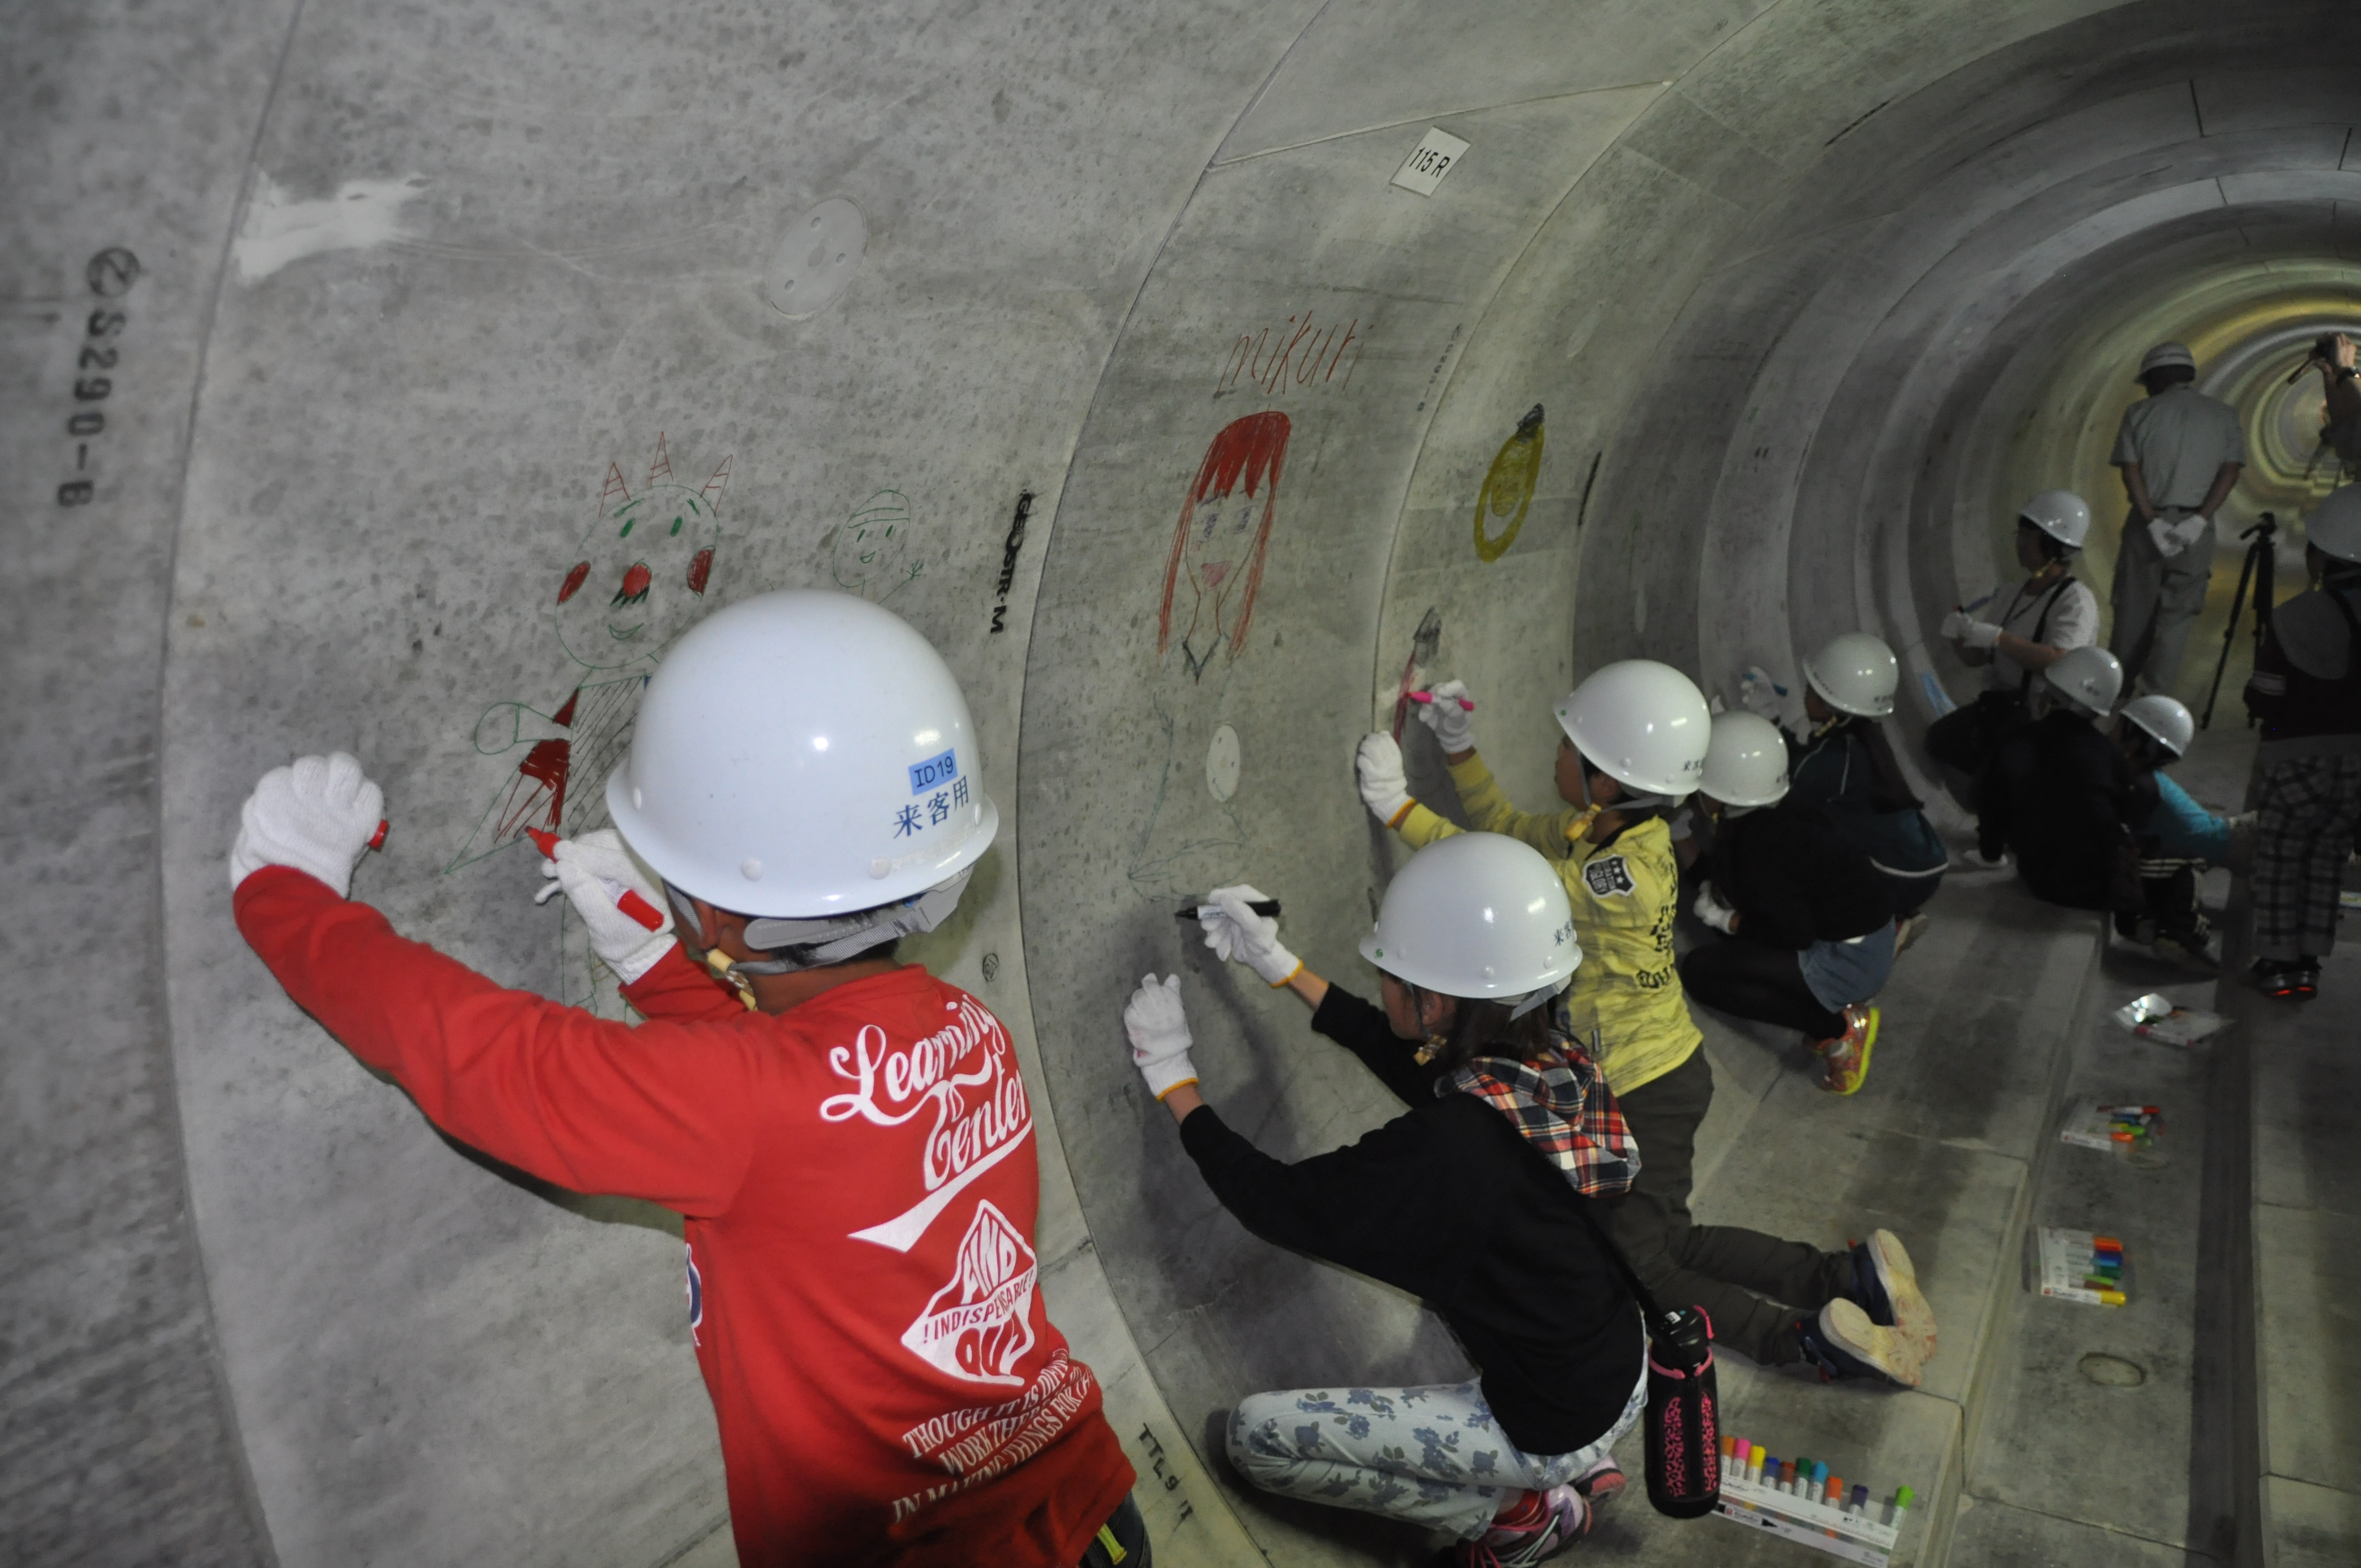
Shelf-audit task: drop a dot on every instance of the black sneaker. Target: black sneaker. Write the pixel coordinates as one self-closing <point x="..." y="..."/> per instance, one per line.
<point x="2295" y="980"/>
<point x="1842" y="1342"/>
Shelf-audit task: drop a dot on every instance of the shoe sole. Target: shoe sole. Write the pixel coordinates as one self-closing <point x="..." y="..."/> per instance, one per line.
<point x="1912" y="1315"/>
<point x="1882" y="1349"/>
<point x="1601" y="1485"/>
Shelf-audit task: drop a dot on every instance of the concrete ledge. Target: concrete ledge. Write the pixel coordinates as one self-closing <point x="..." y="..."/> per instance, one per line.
<point x="1938" y="1146"/>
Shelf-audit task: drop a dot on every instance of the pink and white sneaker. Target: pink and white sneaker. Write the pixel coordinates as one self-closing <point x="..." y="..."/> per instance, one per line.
<point x="1551" y="1522"/>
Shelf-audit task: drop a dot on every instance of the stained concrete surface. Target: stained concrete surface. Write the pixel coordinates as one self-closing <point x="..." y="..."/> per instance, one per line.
<point x="1810" y="293"/>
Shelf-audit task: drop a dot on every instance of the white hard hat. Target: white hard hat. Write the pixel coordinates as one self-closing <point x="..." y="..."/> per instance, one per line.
<point x="1478" y="916"/>
<point x="1746" y="764"/>
<point x="2334" y="526"/>
<point x="2091" y="678"/>
<point x="2165" y="354"/>
<point x="2061" y="514"/>
<point x="1642" y="724"/>
<point x="2165" y="718"/>
<point x="803" y="754"/>
<point x="1855" y="672"/>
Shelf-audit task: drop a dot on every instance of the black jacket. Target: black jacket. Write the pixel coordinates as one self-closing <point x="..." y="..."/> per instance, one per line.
<point x="1794" y="879"/>
<point x="2062" y="796"/>
<point x="1451" y="1202"/>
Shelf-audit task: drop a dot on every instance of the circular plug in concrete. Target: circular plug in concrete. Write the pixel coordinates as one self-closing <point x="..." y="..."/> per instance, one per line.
<point x="816" y="258"/>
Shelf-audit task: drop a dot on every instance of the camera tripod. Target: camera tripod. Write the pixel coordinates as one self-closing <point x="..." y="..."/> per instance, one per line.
<point x="2261" y="556"/>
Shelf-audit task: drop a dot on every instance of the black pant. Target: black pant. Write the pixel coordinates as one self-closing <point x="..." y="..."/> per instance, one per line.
<point x="1756" y="980"/>
<point x="1964" y="738"/>
<point x="1717" y="1267"/>
<point x="2169" y="907"/>
<point x="1130" y="1532"/>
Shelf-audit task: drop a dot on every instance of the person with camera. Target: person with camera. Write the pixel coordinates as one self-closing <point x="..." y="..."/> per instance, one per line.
<point x="2181" y="452"/>
<point x="2306" y="690"/>
<point x="2339" y="387"/>
<point x="2042" y="619"/>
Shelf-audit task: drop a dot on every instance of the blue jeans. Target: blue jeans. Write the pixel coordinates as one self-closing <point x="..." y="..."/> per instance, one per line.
<point x="1430" y="1456"/>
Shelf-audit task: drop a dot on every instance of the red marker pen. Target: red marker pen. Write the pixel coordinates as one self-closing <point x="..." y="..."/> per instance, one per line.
<point x="626" y="899"/>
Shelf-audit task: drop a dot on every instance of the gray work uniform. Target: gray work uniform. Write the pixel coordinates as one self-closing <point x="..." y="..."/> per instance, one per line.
<point x="2180" y="438"/>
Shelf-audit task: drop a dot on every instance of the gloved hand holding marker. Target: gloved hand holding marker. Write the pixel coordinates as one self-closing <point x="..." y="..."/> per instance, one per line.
<point x="626" y="899"/>
<point x="612" y="895"/>
<point x="1444" y="712"/>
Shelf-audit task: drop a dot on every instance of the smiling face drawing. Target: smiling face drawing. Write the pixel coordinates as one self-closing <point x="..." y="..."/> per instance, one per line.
<point x="870" y="557"/>
<point x="639" y="576"/>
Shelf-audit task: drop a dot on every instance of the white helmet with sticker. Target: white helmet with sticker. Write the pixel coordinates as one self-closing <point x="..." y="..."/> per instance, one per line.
<point x="1855" y="672"/>
<point x="1478" y="916"/>
<point x="805" y="756"/>
<point x="1642" y="724"/>
<point x="1746" y="764"/>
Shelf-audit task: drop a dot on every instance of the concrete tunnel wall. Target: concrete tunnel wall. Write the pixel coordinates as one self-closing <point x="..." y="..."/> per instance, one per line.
<point x="1788" y="280"/>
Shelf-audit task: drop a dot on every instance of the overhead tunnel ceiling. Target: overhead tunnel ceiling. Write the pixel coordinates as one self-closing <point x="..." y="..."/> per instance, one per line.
<point x="1809" y="295"/>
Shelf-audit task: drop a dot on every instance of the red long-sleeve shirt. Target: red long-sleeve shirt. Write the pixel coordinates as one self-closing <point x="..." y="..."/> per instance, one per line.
<point x="860" y="1183"/>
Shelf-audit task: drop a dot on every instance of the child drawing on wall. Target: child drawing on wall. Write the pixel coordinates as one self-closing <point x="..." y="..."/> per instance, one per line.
<point x="1211" y="578"/>
<point x="636" y="580"/>
<point x="1219" y="543"/>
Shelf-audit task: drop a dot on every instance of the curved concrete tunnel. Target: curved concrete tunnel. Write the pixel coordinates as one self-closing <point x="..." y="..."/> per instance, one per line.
<point x="1808" y="296"/>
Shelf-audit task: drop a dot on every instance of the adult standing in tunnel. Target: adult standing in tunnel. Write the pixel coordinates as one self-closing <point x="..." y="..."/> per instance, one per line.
<point x="1632" y="744"/>
<point x="2043" y="619"/>
<point x="847" y="1138"/>
<point x="2181" y="452"/>
<point x="2306" y="690"/>
<point x="1477" y="1198"/>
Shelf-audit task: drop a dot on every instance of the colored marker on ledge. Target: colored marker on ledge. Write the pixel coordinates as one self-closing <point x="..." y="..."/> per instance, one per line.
<point x="626" y="899"/>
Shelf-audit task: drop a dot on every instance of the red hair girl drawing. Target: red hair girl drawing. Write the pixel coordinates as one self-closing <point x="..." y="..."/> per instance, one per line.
<point x="1219" y="541"/>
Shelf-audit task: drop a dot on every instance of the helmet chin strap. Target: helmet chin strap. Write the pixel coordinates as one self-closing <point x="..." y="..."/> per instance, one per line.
<point x="794" y="945"/>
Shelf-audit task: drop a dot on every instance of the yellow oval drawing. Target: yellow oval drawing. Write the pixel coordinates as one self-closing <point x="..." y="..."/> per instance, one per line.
<point x="1508" y="488"/>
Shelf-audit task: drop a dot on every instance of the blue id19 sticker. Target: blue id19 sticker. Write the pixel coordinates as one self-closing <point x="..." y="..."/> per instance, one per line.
<point x="934" y="772"/>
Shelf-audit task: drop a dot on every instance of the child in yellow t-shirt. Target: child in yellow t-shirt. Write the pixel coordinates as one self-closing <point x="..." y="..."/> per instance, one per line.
<point x="1634" y="745"/>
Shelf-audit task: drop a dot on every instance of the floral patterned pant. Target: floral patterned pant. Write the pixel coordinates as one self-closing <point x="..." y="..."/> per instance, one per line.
<point x="1431" y="1456"/>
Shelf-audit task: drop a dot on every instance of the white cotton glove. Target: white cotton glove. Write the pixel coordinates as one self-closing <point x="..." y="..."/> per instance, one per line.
<point x="2191" y="531"/>
<point x="1758" y="693"/>
<point x="1453" y="724"/>
<point x="317" y="816"/>
<point x="1159" y="1034"/>
<point x="1239" y="935"/>
<point x="1710" y="909"/>
<point x="1982" y="634"/>
<point x="1956" y="624"/>
<point x="1385" y="788"/>
<point x="595" y="871"/>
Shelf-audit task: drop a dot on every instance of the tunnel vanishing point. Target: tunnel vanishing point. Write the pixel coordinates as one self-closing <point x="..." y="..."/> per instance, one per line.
<point x="1503" y="340"/>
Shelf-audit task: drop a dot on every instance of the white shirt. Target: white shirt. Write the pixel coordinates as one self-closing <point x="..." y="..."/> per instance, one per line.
<point x="2180" y="438"/>
<point x="2072" y="621"/>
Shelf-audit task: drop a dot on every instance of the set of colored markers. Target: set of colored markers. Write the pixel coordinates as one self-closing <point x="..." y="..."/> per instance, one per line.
<point x="2123" y="1128"/>
<point x="2080" y="1265"/>
<point x="1800" y="1499"/>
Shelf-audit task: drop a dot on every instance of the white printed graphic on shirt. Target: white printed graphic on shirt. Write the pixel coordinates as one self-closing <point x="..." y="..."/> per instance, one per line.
<point x="1609" y="878"/>
<point x="979" y="1326"/>
<point x="986" y="1440"/>
<point x="967" y="1072"/>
